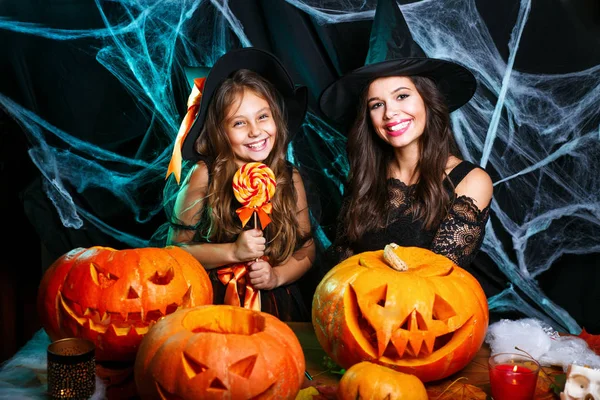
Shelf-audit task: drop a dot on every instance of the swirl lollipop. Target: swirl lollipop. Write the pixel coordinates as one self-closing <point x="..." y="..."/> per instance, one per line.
<point x="254" y="186"/>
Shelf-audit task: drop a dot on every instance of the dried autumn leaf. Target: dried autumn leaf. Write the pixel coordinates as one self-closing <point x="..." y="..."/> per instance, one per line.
<point x="548" y="380"/>
<point x="455" y="391"/>
<point x="559" y="384"/>
<point x="326" y="392"/>
<point x="592" y="340"/>
<point x="307" y="394"/>
<point x="477" y="372"/>
<point x="316" y="390"/>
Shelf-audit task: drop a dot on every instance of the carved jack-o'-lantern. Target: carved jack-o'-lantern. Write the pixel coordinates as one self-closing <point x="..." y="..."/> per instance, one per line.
<point x="219" y="352"/>
<point x="425" y="316"/>
<point x="112" y="297"/>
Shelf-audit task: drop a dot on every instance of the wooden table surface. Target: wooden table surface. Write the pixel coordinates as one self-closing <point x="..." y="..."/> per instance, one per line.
<point x="475" y="373"/>
<point x="121" y="385"/>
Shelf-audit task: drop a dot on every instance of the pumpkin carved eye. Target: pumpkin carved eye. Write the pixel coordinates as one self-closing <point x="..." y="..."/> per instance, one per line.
<point x="241" y="368"/>
<point x="405" y="308"/>
<point x="244" y="367"/>
<point x="442" y="310"/>
<point x="164" y="278"/>
<point x="191" y="366"/>
<point x="102" y="278"/>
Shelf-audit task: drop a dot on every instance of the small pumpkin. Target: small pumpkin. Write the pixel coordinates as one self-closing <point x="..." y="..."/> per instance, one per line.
<point x="112" y="297"/>
<point x="219" y="352"/>
<point x="406" y="308"/>
<point x="367" y="380"/>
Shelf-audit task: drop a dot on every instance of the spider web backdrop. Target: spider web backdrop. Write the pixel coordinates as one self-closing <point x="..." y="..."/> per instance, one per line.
<point x="537" y="133"/>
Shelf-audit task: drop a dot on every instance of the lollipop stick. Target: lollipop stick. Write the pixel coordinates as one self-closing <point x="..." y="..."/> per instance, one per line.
<point x="255" y="226"/>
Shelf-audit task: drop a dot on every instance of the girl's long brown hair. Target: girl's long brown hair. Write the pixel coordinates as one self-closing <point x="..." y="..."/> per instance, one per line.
<point x="370" y="157"/>
<point x="223" y="224"/>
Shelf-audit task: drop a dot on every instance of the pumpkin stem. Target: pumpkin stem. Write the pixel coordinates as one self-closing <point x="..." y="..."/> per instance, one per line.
<point x="392" y="259"/>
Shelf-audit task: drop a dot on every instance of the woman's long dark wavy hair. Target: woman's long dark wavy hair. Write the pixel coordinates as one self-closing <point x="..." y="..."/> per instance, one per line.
<point x="370" y="157"/>
<point x="223" y="224"/>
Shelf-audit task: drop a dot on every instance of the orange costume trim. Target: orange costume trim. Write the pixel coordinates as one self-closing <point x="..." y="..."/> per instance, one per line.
<point x="193" y="105"/>
<point x="233" y="276"/>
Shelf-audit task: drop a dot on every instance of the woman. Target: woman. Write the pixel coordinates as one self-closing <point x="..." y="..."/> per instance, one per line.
<point x="248" y="101"/>
<point x="407" y="183"/>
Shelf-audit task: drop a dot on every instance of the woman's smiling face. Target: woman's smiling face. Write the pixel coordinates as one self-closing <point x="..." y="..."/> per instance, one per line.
<point x="250" y="127"/>
<point x="397" y="111"/>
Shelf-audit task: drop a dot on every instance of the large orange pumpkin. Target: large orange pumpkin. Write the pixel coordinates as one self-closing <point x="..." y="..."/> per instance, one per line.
<point x="367" y="380"/>
<point x="112" y="297"/>
<point x="428" y="319"/>
<point x="219" y="352"/>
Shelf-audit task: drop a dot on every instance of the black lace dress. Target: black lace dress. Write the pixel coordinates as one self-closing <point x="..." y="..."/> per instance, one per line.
<point x="458" y="237"/>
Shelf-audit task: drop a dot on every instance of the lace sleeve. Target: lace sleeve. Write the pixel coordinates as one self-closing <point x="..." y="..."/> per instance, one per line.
<point x="461" y="233"/>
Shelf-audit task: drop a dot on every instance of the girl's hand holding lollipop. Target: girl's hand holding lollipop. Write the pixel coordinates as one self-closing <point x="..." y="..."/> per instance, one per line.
<point x="253" y="186"/>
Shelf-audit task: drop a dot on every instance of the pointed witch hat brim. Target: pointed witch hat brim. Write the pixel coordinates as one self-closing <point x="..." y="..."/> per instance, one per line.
<point x="295" y="98"/>
<point x="393" y="52"/>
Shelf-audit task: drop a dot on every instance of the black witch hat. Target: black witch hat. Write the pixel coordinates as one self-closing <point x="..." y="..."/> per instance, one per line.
<point x="393" y="52"/>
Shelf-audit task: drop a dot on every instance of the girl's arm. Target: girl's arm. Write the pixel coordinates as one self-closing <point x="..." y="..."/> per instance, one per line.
<point x="188" y="208"/>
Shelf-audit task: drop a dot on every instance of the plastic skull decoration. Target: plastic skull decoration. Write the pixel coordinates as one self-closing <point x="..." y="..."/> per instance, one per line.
<point x="219" y="352"/>
<point x="582" y="384"/>
<point x="405" y="308"/>
<point x="113" y="297"/>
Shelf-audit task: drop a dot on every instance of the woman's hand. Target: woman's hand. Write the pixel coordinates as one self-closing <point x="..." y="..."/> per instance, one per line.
<point x="249" y="245"/>
<point x="262" y="275"/>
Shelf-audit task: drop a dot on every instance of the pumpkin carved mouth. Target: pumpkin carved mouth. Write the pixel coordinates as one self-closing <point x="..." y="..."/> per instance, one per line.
<point x="412" y="337"/>
<point x="120" y="322"/>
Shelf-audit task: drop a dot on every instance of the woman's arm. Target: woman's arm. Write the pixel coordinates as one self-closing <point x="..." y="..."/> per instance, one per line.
<point x="188" y="209"/>
<point x="264" y="277"/>
<point x="478" y="186"/>
<point x="461" y="233"/>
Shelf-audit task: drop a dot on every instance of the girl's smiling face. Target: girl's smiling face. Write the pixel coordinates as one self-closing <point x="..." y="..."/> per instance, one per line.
<point x="397" y="111"/>
<point x="250" y="127"/>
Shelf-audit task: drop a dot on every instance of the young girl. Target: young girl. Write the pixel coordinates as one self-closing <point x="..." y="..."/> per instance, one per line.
<point x="407" y="184"/>
<point x="248" y="107"/>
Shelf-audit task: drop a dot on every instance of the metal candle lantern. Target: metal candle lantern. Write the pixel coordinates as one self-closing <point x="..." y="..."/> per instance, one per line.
<point x="71" y="369"/>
